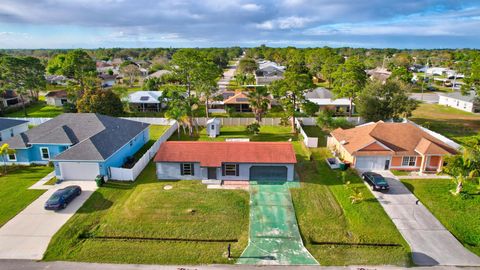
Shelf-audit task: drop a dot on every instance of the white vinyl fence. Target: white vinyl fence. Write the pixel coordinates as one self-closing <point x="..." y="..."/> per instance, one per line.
<point x="311" y="142"/>
<point x="124" y="174"/>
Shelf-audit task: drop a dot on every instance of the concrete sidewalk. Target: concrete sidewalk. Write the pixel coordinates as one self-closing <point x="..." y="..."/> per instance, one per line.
<point x="27" y="235"/>
<point x="430" y="242"/>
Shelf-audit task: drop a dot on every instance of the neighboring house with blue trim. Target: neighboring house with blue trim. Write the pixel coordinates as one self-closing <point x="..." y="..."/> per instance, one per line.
<point x="80" y="145"/>
<point x="11" y="127"/>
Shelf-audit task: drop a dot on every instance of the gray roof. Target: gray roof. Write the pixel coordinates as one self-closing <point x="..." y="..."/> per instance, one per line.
<point x="6" y="123"/>
<point x="319" y="92"/>
<point x="91" y="136"/>
<point x="470" y="97"/>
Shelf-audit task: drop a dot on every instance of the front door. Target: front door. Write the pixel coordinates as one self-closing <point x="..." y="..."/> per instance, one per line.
<point x="387" y="164"/>
<point x="212" y="173"/>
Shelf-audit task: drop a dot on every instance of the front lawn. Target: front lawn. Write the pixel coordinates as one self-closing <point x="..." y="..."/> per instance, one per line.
<point x="448" y="121"/>
<point x="266" y="134"/>
<point x="39" y="109"/>
<point x="141" y="222"/>
<point x="459" y="214"/>
<point x="337" y="232"/>
<point x="14" y="192"/>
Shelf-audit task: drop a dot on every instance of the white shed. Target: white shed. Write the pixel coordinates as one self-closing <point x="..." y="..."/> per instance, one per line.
<point x="213" y="127"/>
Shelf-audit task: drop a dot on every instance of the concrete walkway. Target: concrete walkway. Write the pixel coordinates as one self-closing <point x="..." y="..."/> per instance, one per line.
<point x="26" y="236"/>
<point x="274" y="235"/>
<point x="227" y="76"/>
<point x="430" y="242"/>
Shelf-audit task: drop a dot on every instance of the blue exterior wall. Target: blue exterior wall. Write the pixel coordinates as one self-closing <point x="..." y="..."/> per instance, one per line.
<point x="119" y="158"/>
<point x="33" y="155"/>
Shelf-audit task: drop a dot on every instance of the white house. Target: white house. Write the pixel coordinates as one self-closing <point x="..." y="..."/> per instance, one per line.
<point x="231" y="161"/>
<point x="436" y="71"/>
<point x="146" y="101"/>
<point x="11" y="127"/>
<point x="56" y="98"/>
<point x="324" y="98"/>
<point x="468" y="103"/>
<point x="268" y="72"/>
<point x="108" y="80"/>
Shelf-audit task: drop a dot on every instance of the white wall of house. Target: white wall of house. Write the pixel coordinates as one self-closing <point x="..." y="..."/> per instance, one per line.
<point x="456" y="103"/>
<point x="7" y="133"/>
<point x="52" y="101"/>
<point x="171" y="170"/>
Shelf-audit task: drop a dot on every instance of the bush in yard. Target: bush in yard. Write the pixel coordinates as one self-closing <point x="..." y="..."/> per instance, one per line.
<point x="100" y="101"/>
<point x="253" y="128"/>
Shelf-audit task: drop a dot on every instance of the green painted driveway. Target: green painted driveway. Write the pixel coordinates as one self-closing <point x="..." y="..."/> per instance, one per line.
<point x="274" y="234"/>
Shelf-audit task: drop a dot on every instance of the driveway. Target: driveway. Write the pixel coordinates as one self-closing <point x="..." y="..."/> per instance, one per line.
<point x="274" y="238"/>
<point x="430" y="242"/>
<point x="26" y="236"/>
<point x="227" y="76"/>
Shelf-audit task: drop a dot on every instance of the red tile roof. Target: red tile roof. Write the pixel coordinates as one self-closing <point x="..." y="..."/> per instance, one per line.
<point x="401" y="138"/>
<point x="213" y="154"/>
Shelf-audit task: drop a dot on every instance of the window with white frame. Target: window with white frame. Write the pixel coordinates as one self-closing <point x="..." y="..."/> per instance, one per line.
<point x="12" y="157"/>
<point x="230" y="169"/>
<point x="409" y="161"/>
<point x="45" y="153"/>
<point x="186" y="169"/>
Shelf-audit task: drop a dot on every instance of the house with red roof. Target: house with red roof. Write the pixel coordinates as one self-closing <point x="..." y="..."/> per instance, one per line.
<point x="192" y="160"/>
<point x="383" y="146"/>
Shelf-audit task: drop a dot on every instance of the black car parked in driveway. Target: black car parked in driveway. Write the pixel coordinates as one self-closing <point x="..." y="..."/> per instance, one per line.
<point x="62" y="197"/>
<point x="375" y="181"/>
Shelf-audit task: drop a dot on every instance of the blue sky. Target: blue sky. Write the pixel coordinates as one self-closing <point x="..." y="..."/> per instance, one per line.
<point x="218" y="23"/>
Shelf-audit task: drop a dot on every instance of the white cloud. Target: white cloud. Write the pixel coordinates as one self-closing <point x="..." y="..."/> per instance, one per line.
<point x="286" y="23"/>
<point x="251" y="7"/>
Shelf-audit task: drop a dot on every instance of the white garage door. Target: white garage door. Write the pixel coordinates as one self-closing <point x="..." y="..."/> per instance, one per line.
<point x="372" y="163"/>
<point x="79" y="170"/>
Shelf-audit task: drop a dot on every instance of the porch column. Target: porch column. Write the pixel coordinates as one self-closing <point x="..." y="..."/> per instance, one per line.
<point x="422" y="164"/>
<point x="440" y="164"/>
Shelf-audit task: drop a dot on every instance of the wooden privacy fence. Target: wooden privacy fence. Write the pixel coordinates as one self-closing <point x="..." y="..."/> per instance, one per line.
<point x="124" y="174"/>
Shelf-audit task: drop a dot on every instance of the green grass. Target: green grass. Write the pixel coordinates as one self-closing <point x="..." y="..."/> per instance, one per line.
<point x="326" y="214"/>
<point x="51" y="182"/>
<point x="400" y="173"/>
<point x="459" y="214"/>
<point x="14" y="192"/>
<point x="453" y="123"/>
<point x="144" y="209"/>
<point x="155" y="132"/>
<point x="39" y="109"/>
<point x="266" y="134"/>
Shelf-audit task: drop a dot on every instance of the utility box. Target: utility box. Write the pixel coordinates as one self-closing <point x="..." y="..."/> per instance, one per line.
<point x="213" y="127"/>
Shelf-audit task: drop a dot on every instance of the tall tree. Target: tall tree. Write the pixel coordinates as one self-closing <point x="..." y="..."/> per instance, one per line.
<point x="259" y="102"/>
<point x="290" y="91"/>
<point x="102" y="101"/>
<point x="247" y="65"/>
<point x="349" y="80"/>
<point x="205" y="82"/>
<point x="75" y="64"/>
<point x="329" y="66"/>
<point x="385" y="101"/>
<point x="192" y="70"/>
<point x="131" y="72"/>
<point x="177" y="108"/>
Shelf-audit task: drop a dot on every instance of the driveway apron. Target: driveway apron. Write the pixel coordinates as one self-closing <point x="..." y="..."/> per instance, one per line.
<point x="274" y="235"/>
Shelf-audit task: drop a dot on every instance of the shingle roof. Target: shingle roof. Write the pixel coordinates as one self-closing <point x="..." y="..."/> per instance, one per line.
<point x="402" y="138"/>
<point x="238" y="98"/>
<point x="6" y="123"/>
<point x="58" y="94"/>
<point x="213" y="154"/>
<point x="145" y="97"/>
<point x="91" y="136"/>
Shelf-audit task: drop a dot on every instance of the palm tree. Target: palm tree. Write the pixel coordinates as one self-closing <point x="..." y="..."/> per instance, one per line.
<point x="179" y="115"/>
<point x="259" y="102"/>
<point x="464" y="166"/>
